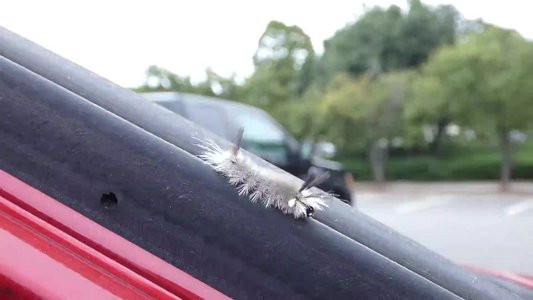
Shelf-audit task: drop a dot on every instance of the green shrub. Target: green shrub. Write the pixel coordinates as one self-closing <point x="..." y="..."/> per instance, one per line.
<point x="470" y="165"/>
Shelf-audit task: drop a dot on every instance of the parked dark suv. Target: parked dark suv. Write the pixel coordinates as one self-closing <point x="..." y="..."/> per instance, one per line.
<point x="263" y="135"/>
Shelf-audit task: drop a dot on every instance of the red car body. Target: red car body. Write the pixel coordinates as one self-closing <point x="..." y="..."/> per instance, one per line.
<point x="49" y="251"/>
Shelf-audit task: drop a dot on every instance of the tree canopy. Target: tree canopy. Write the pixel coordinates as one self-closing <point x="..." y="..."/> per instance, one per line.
<point x="388" y="39"/>
<point x="283" y="63"/>
<point x="481" y="83"/>
<point x="394" y="81"/>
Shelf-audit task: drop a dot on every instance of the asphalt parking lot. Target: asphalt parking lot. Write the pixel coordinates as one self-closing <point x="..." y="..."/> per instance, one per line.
<point x="482" y="228"/>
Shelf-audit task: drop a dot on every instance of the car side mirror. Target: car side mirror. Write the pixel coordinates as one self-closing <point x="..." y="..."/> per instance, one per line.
<point x="320" y="149"/>
<point x="324" y="149"/>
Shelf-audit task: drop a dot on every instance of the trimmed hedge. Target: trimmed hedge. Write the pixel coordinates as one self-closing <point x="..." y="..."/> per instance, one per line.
<point x="469" y="166"/>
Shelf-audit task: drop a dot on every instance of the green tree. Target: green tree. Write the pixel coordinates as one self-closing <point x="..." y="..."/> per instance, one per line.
<point x="160" y="79"/>
<point x="482" y="83"/>
<point x="387" y="39"/>
<point x="425" y="29"/>
<point x="366" y="114"/>
<point x="223" y="87"/>
<point x="301" y="117"/>
<point x="283" y="66"/>
<point x="385" y="120"/>
<point x="420" y="113"/>
<point x="438" y="113"/>
<point x="342" y="112"/>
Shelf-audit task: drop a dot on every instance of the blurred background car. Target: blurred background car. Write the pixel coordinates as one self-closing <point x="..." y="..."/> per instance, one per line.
<point x="263" y="136"/>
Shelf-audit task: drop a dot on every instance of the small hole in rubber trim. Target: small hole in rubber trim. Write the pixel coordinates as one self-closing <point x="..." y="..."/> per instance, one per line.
<point x="109" y="200"/>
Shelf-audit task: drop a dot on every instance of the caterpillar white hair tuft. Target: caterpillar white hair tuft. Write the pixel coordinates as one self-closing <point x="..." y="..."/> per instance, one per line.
<point x="266" y="185"/>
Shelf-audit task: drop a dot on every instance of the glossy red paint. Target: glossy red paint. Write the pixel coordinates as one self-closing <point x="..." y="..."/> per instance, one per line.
<point x="48" y="250"/>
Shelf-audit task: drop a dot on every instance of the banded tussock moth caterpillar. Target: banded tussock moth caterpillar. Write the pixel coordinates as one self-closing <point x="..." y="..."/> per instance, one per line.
<point x="268" y="186"/>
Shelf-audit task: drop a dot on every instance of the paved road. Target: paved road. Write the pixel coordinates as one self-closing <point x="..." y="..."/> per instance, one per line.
<point x="492" y="231"/>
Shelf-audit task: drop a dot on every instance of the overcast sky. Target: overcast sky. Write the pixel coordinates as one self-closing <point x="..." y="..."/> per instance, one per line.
<point x="120" y="39"/>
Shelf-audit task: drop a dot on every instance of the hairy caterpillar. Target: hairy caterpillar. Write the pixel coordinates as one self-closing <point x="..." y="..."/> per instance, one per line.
<point x="266" y="185"/>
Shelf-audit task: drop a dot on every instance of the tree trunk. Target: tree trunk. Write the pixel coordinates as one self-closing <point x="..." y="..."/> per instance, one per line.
<point x="507" y="159"/>
<point x="378" y="160"/>
<point x="436" y="144"/>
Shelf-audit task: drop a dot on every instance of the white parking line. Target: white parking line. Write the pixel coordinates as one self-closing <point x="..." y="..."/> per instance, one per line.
<point x="519" y="208"/>
<point x="419" y="205"/>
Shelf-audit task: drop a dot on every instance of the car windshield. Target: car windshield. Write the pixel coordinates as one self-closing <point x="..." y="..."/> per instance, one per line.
<point x="261" y="134"/>
<point x="259" y="129"/>
<point x="208" y="116"/>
